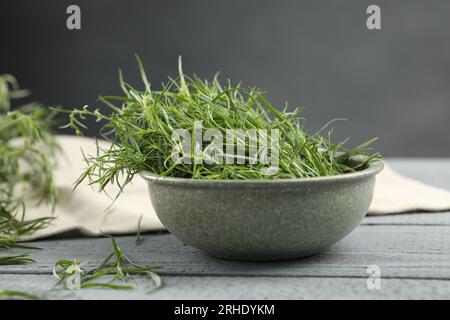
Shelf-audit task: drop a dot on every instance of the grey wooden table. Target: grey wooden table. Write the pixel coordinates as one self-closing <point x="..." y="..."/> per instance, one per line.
<point x="412" y="251"/>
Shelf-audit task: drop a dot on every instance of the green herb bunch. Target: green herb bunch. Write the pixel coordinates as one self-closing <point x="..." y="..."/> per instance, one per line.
<point x="26" y="151"/>
<point x="140" y="125"/>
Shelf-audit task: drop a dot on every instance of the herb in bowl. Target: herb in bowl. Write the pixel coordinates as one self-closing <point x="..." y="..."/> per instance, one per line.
<point x="140" y="125"/>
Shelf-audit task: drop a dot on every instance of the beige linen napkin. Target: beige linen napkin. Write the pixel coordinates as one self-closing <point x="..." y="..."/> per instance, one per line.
<point x="397" y="194"/>
<point x="83" y="210"/>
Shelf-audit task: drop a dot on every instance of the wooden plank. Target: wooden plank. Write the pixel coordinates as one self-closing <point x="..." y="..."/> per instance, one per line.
<point x="432" y="171"/>
<point x="412" y="251"/>
<point x="427" y="218"/>
<point x="205" y="288"/>
<point x="400" y="251"/>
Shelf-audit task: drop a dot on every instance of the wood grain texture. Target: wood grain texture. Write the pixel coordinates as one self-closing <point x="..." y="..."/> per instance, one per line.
<point x="431" y="171"/>
<point x="417" y="219"/>
<point x="401" y="251"/>
<point x="205" y="288"/>
<point x="412" y="250"/>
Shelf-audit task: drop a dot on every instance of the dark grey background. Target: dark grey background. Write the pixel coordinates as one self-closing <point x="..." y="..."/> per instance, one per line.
<point x="393" y="83"/>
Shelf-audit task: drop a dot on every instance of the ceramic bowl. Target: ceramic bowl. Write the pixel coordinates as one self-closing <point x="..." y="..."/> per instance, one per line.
<point x="263" y="220"/>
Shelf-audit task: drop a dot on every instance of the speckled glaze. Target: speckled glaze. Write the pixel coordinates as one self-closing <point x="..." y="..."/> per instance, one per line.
<point x="263" y="220"/>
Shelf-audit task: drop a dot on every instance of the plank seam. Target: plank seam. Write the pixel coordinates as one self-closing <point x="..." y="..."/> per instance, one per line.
<point x="240" y="275"/>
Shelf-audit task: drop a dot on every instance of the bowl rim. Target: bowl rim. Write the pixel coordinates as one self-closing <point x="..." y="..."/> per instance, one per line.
<point x="374" y="167"/>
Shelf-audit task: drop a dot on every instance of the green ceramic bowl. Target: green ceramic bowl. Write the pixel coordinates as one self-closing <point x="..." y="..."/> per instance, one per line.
<point x="263" y="220"/>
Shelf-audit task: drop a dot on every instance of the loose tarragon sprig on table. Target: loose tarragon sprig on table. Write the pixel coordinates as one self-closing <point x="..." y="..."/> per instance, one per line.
<point x="71" y="274"/>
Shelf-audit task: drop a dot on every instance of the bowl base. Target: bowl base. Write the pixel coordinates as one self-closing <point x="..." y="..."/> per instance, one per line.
<point x="265" y="258"/>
